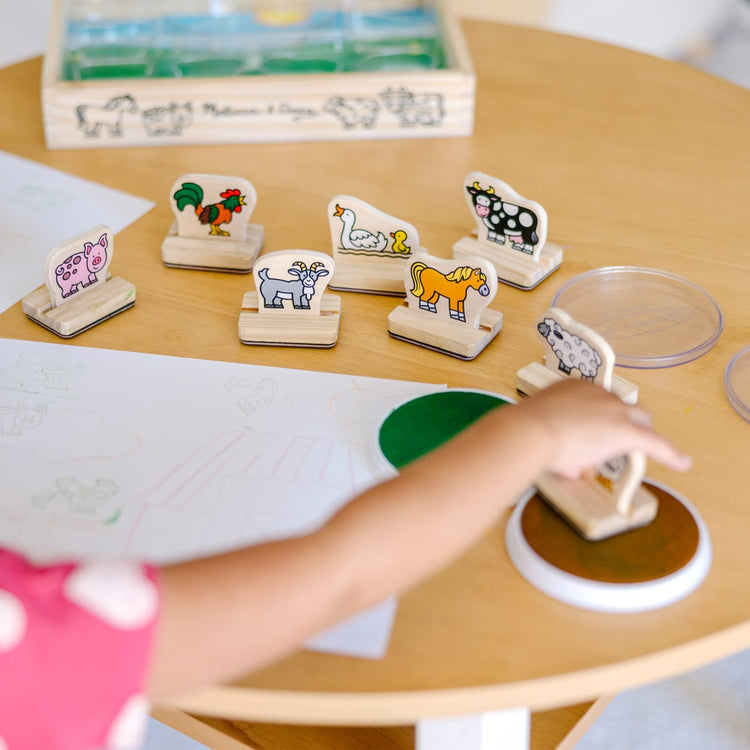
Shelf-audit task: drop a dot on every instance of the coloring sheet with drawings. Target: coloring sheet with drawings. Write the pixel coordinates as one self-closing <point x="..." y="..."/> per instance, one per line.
<point x="108" y="453"/>
<point x="41" y="207"/>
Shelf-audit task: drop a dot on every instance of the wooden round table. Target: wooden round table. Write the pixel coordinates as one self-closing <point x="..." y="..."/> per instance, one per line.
<point x="638" y="161"/>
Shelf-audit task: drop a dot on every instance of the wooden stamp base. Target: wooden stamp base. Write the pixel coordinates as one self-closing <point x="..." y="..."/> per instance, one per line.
<point x="83" y="310"/>
<point x="212" y="253"/>
<point x="587" y="507"/>
<point x="290" y="329"/>
<point x="447" y="337"/>
<point x="536" y="376"/>
<point x="641" y="569"/>
<point x="513" y="267"/>
<point x="370" y="275"/>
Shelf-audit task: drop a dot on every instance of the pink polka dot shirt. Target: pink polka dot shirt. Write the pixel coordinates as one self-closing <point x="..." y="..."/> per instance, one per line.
<point x="75" y="645"/>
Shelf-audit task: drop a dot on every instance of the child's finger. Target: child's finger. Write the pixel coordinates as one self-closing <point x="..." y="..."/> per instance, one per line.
<point x="664" y="451"/>
<point x="640" y="416"/>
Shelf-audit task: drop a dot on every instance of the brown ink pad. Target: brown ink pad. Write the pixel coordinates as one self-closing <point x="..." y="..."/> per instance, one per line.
<point x="640" y="569"/>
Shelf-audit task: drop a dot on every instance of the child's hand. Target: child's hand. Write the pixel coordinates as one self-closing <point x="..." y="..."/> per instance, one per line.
<point x="588" y="425"/>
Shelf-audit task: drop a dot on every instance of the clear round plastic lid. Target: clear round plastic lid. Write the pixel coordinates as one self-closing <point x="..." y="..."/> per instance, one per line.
<point x="650" y="318"/>
<point x="737" y="383"/>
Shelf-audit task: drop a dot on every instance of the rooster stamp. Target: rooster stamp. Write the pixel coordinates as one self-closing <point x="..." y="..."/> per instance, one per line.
<point x="212" y="229"/>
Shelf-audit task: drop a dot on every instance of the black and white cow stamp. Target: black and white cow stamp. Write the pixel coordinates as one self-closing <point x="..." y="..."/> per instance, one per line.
<point x="504" y="220"/>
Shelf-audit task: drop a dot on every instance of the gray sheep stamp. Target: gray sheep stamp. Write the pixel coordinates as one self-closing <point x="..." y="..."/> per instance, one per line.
<point x="572" y="350"/>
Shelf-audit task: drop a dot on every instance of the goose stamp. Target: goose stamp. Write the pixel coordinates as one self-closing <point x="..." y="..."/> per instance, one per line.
<point x="572" y="350"/>
<point x="212" y="229"/>
<point x="446" y="305"/>
<point x="290" y="306"/>
<point x="370" y="247"/>
<point x="78" y="291"/>
<point x="510" y="231"/>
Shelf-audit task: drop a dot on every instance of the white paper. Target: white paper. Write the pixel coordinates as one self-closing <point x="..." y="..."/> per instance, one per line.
<point x="107" y="453"/>
<point x="365" y="634"/>
<point x="41" y="207"/>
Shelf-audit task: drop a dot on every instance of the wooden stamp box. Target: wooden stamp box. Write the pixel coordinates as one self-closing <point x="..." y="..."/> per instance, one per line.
<point x="141" y="91"/>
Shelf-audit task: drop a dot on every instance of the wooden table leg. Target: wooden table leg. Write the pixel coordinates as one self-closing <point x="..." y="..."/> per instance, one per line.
<point x="199" y="730"/>
<point x="553" y="729"/>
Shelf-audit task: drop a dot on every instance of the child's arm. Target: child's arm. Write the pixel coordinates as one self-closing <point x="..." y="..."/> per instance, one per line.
<point x="232" y="613"/>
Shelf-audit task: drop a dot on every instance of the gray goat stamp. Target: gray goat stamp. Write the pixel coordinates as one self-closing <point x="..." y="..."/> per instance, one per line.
<point x="300" y="289"/>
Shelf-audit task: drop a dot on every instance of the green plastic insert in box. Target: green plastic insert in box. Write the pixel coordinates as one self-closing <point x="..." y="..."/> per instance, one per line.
<point x="105" y="39"/>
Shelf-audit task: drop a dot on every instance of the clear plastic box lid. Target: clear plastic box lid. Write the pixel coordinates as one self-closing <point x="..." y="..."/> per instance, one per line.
<point x="737" y="383"/>
<point x="650" y="318"/>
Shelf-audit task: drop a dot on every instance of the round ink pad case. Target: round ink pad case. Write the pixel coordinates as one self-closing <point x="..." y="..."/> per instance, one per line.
<point x="415" y="427"/>
<point x="643" y="569"/>
<point x="650" y="318"/>
<point x="737" y="382"/>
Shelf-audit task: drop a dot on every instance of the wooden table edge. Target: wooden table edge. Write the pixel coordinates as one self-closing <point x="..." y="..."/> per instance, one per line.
<point x="407" y="707"/>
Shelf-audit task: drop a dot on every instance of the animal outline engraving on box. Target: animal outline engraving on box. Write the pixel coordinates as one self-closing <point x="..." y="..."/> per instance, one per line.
<point x="212" y="229"/>
<point x="603" y="501"/>
<point x="290" y="306"/>
<point x="369" y="247"/>
<point x="572" y="350"/>
<point x="511" y="232"/>
<point x="78" y="291"/>
<point x="446" y="305"/>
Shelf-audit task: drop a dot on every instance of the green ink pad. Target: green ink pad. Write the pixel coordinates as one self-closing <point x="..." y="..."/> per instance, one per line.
<point x="418" y="426"/>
